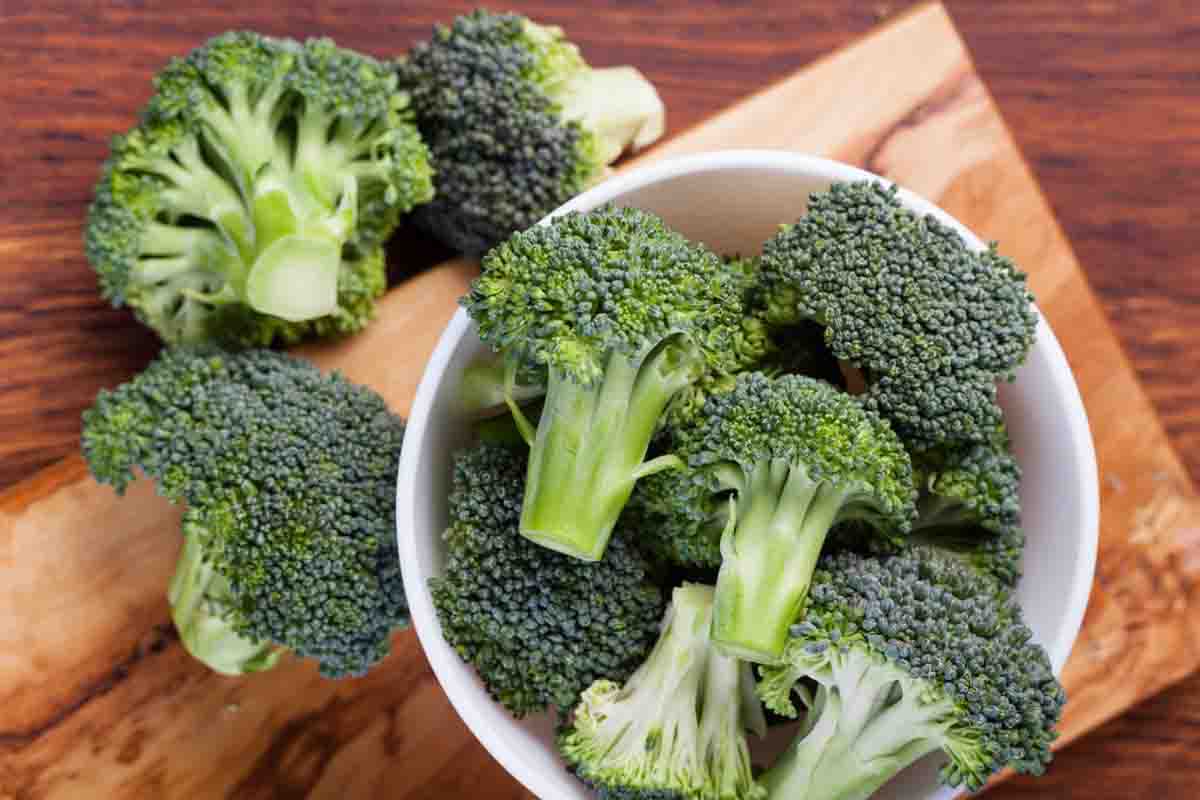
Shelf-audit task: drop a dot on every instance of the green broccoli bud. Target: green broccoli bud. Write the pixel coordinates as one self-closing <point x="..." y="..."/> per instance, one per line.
<point x="792" y="457"/>
<point x="909" y="658"/>
<point x="518" y="124"/>
<point x="539" y="627"/>
<point x="930" y="323"/>
<point x="970" y="506"/>
<point x="289" y="480"/>
<point x="622" y="314"/>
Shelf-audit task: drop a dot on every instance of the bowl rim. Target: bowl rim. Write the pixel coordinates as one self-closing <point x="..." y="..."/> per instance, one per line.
<point x="424" y="618"/>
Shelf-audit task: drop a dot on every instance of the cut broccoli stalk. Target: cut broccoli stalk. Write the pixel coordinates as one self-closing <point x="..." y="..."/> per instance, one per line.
<point x="769" y="551"/>
<point x="200" y="598"/>
<point x="617" y="105"/>
<point x="590" y="444"/>
<point x="677" y="726"/>
<point x="868" y="721"/>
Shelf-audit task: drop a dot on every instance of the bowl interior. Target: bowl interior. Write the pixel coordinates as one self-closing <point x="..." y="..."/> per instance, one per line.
<point x="733" y="202"/>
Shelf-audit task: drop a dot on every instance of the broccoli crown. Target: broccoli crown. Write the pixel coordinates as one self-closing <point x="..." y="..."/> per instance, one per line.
<point x="251" y="201"/>
<point x="809" y="424"/>
<point x="538" y="626"/>
<point x="930" y="322"/>
<point x="791" y="457"/>
<point x="676" y="729"/>
<point x="289" y="478"/>
<point x="970" y="505"/>
<point x="504" y="156"/>
<point x="568" y="294"/>
<point x="910" y="657"/>
<point x="622" y="314"/>
<point x="517" y="122"/>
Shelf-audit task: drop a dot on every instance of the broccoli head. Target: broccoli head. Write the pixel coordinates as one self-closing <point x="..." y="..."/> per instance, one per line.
<point x="676" y="730"/>
<point x="908" y="658"/>
<point x="930" y="323"/>
<point x="789" y="458"/>
<point x="518" y="123"/>
<point x="289" y="480"/>
<point x="250" y="203"/>
<point x="539" y="627"/>
<point x="970" y="505"/>
<point x="620" y="313"/>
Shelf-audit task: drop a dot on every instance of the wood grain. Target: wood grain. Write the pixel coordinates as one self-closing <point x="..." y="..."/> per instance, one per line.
<point x="66" y="341"/>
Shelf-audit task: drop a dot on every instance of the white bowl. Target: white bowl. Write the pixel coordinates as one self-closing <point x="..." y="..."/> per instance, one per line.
<point x="733" y="201"/>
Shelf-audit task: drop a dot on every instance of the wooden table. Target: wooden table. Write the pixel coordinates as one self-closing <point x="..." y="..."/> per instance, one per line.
<point x="1102" y="96"/>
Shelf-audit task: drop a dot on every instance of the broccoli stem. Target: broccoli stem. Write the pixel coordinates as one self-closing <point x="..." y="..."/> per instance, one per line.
<point x="295" y="278"/>
<point x="769" y="551"/>
<point x="723" y="721"/>
<point x="300" y="242"/>
<point x="867" y="724"/>
<point x="651" y="721"/>
<point x="590" y="442"/>
<point x="200" y="601"/>
<point x="618" y="105"/>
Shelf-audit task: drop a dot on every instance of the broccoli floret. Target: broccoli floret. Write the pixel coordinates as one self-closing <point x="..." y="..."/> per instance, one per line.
<point x="518" y="124"/>
<point x="538" y="626"/>
<point x="621" y="314"/>
<point x="676" y="730"/>
<point x="970" y="506"/>
<point x="908" y="658"/>
<point x="931" y="324"/>
<point x="289" y="480"/>
<point x="250" y="203"/>
<point x="790" y="457"/>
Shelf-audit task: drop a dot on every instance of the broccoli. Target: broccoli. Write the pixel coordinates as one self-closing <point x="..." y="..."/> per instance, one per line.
<point x="789" y="457"/>
<point x="620" y="313"/>
<point x="539" y="627"/>
<point x="518" y="124"/>
<point x="931" y="324"/>
<point x="969" y="505"/>
<point x="676" y="730"/>
<point x="250" y="203"/>
<point x="288" y="476"/>
<point x="908" y="658"/>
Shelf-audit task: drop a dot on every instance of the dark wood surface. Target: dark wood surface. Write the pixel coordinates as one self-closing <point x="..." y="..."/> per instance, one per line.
<point x="1104" y="98"/>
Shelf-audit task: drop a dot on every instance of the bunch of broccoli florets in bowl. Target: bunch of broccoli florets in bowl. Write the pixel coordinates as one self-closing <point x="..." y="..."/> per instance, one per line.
<point x="692" y="495"/>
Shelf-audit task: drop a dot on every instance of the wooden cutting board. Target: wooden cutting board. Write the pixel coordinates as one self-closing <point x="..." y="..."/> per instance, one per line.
<point x="99" y="699"/>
